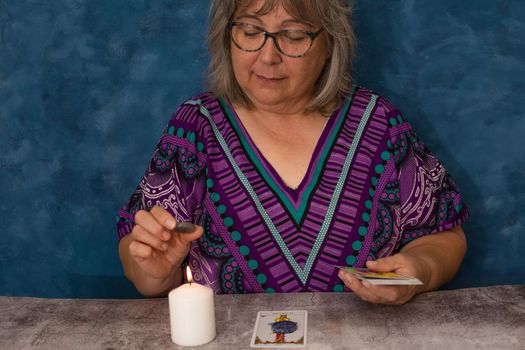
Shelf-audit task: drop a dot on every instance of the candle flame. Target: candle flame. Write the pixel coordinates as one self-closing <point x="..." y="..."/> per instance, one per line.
<point x="189" y="277"/>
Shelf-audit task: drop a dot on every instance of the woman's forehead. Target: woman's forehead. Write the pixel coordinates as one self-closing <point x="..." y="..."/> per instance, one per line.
<point x="297" y="9"/>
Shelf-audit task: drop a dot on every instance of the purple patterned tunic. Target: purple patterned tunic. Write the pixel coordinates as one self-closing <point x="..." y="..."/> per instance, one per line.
<point x="371" y="187"/>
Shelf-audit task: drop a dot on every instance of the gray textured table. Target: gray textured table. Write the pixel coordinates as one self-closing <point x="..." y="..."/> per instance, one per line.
<point x="476" y="318"/>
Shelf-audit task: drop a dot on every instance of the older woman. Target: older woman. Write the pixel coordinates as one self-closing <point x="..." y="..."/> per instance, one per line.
<point x="288" y="171"/>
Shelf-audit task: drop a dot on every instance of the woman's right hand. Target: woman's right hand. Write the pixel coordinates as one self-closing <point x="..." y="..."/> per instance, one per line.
<point x="155" y="245"/>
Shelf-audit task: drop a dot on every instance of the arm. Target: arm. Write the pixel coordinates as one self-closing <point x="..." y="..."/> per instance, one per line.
<point x="150" y="249"/>
<point x="440" y="256"/>
<point x="424" y="191"/>
<point x="434" y="259"/>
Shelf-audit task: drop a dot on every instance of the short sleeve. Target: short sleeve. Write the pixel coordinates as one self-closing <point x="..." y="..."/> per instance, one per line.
<point x="429" y="199"/>
<point x="174" y="178"/>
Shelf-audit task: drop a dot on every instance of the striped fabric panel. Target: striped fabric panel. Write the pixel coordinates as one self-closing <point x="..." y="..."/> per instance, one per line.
<point x="340" y="233"/>
<point x="248" y="221"/>
<point x="347" y="218"/>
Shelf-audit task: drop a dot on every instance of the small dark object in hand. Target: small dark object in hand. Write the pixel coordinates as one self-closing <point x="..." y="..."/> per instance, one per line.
<point x="184" y="227"/>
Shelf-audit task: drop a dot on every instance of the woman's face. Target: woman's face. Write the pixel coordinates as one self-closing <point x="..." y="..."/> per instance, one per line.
<point x="271" y="80"/>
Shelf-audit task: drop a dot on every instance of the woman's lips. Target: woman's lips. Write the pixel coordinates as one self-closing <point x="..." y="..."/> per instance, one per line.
<point x="269" y="79"/>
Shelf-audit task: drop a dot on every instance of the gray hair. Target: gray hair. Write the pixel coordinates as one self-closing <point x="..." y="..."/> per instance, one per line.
<point x="334" y="16"/>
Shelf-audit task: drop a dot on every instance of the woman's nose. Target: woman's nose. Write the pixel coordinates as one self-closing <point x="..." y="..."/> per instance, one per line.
<point x="269" y="53"/>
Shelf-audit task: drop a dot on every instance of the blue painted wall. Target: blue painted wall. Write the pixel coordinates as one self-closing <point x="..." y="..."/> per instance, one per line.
<point x="86" y="87"/>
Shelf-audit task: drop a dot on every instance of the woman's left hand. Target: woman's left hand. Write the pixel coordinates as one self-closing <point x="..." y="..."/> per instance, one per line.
<point x="405" y="264"/>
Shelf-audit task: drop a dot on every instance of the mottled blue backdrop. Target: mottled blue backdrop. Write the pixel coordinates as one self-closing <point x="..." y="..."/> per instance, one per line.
<point x="86" y="87"/>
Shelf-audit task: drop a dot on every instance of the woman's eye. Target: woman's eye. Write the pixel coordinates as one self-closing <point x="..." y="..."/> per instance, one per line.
<point x="251" y="32"/>
<point x="294" y="36"/>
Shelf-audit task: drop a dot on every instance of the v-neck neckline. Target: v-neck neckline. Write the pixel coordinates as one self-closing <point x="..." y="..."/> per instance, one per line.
<point x="260" y="216"/>
<point x="294" y="200"/>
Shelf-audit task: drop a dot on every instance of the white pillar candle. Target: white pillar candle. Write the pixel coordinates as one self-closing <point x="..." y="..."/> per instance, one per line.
<point x="192" y="314"/>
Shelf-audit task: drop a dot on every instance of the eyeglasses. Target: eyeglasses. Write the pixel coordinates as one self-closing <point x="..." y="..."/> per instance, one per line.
<point x="289" y="42"/>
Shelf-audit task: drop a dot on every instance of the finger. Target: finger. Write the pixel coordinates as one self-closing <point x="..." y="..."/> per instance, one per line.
<point x="140" y="234"/>
<point x="140" y="250"/>
<point x="358" y="287"/>
<point x="186" y="238"/>
<point x="163" y="217"/>
<point x="179" y="245"/>
<point x="387" y="264"/>
<point x="149" y="223"/>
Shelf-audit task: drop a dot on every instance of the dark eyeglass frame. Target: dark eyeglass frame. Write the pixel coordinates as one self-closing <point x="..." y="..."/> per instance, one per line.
<point x="274" y="36"/>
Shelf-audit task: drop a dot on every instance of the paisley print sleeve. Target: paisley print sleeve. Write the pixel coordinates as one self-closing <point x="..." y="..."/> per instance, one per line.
<point x="430" y="201"/>
<point x="174" y="178"/>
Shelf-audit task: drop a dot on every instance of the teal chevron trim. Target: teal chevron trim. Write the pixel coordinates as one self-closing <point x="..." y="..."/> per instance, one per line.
<point x="296" y="213"/>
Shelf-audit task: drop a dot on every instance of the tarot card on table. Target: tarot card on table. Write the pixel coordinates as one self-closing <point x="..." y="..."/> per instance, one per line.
<point x="280" y="329"/>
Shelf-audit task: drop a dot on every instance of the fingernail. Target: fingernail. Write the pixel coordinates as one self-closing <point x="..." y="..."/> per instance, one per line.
<point x="184" y="227"/>
<point x="366" y="284"/>
<point x="164" y="246"/>
<point x="170" y="223"/>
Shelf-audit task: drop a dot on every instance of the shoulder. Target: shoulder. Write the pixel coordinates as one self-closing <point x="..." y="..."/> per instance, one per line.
<point x="189" y="126"/>
<point x="195" y="108"/>
<point x="195" y="114"/>
<point x="378" y="105"/>
<point x="381" y="110"/>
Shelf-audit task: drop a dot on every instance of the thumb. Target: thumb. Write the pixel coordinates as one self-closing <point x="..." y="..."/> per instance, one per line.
<point x="186" y="238"/>
<point x="386" y="264"/>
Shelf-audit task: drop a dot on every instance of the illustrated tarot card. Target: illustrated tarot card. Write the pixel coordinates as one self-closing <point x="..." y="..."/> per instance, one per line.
<point x="280" y="329"/>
